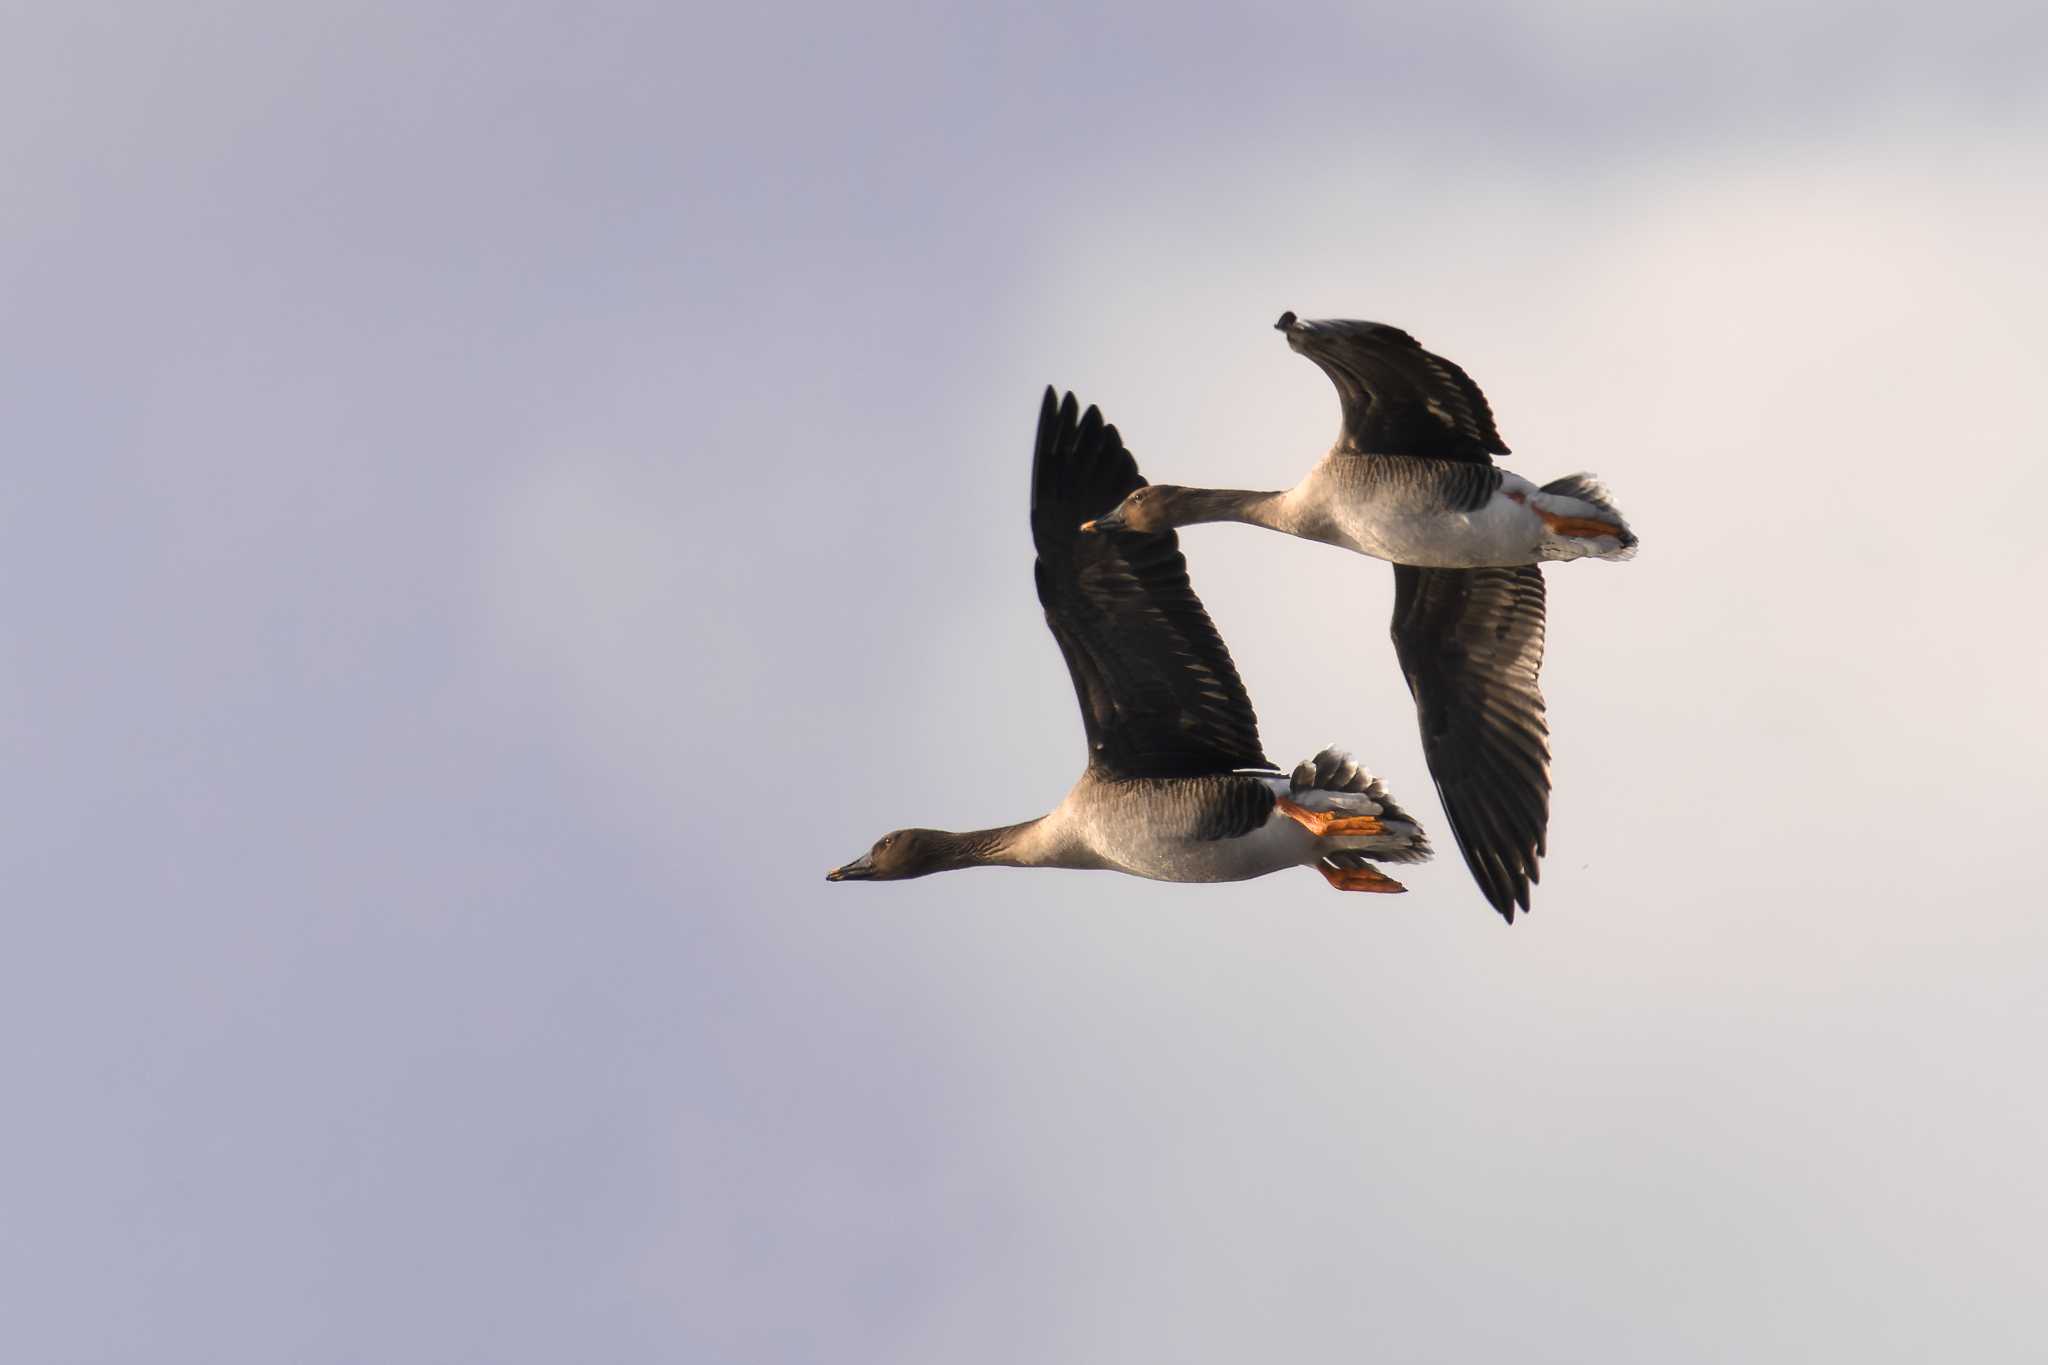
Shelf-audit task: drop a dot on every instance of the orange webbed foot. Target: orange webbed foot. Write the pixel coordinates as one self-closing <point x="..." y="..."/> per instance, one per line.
<point x="1323" y="822"/>
<point x="1582" y="528"/>
<point x="1359" y="879"/>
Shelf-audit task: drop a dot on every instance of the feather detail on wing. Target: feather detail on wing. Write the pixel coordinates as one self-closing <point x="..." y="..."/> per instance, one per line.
<point x="1471" y="644"/>
<point x="1159" y="694"/>
<point x="1398" y="398"/>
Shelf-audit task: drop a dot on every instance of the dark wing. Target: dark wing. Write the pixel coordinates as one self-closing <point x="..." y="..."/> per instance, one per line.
<point x="1398" y="398"/>
<point x="1471" y="644"/>
<point x="1159" y="695"/>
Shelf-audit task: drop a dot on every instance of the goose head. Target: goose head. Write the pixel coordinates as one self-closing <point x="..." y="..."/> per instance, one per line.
<point x="902" y="854"/>
<point x="1147" y="510"/>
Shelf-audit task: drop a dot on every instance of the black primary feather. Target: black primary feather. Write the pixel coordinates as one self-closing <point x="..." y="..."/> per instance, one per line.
<point x="1159" y="694"/>
<point x="1470" y="642"/>
<point x="1398" y="398"/>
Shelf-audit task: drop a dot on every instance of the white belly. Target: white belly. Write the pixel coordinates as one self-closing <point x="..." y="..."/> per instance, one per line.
<point x="1503" y="531"/>
<point x="1171" y="855"/>
<point x="1279" y="843"/>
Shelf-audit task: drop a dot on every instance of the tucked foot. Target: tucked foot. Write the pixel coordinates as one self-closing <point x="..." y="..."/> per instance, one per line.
<point x="1322" y="822"/>
<point x="1580" y="528"/>
<point x="1358" y="879"/>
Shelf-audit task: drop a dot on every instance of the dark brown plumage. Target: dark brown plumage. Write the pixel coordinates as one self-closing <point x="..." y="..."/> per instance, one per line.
<point x="1398" y="398"/>
<point x="1159" y="694"/>
<point x="1470" y="642"/>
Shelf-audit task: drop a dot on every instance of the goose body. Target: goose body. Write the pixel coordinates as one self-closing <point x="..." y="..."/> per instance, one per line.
<point x="1177" y="787"/>
<point x="1178" y="829"/>
<point x="1440" y="514"/>
<point x="1411" y="479"/>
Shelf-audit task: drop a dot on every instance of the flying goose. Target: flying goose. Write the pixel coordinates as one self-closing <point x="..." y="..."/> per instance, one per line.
<point x="1177" y="787"/>
<point x="1411" y="480"/>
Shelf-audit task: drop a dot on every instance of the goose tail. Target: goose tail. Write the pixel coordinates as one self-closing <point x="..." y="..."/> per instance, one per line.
<point x="1597" y="504"/>
<point x="1333" y="780"/>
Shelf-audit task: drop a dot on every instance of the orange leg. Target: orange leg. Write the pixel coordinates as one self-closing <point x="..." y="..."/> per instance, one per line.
<point x="1584" y="527"/>
<point x="1322" y="822"/>
<point x="1358" y="879"/>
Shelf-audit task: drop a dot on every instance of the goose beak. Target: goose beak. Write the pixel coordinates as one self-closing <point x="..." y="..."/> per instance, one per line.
<point x="1111" y="520"/>
<point x="859" y="870"/>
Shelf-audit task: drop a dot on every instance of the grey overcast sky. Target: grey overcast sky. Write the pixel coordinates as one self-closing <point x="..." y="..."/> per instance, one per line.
<point x="500" y="497"/>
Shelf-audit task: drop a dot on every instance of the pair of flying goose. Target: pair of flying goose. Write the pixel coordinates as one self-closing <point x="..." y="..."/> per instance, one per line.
<point x="1177" y="787"/>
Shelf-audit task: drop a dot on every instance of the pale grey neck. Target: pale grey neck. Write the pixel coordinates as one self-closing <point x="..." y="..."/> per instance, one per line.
<point x="1192" y="506"/>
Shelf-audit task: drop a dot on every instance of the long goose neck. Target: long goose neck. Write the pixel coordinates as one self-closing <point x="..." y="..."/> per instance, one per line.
<point x="1191" y="506"/>
<point x="1002" y="846"/>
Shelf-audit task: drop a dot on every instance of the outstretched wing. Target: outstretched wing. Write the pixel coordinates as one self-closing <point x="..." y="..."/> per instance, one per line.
<point x="1471" y="644"/>
<point x="1398" y="398"/>
<point x="1159" y="695"/>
